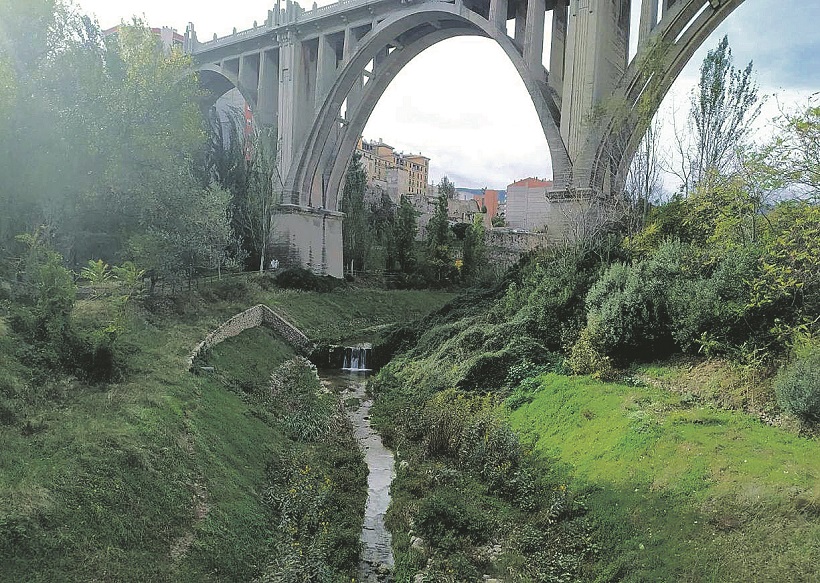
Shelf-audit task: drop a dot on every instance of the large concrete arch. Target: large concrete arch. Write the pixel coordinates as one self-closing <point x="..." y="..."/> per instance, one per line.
<point x="646" y="82"/>
<point x="302" y="67"/>
<point x="409" y="32"/>
<point x="216" y="81"/>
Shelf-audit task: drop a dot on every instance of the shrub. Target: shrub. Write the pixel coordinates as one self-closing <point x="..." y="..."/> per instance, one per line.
<point x="626" y="311"/>
<point x="228" y="289"/>
<point x="447" y="517"/>
<point x="295" y="393"/>
<point x="585" y="358"/>
<point x="305" y="280"/>
<point x="798" y="385"/>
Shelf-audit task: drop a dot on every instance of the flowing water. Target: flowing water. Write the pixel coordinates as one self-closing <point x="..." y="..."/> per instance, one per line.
<point x="377" y="554"/>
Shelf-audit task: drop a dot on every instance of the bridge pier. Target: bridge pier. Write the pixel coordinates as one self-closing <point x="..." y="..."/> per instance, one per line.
<point x="315" y="76"/>
<point x="308" y="237"/>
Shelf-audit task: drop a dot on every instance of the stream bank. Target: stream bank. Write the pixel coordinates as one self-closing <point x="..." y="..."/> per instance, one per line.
<point x="377" y="554"/>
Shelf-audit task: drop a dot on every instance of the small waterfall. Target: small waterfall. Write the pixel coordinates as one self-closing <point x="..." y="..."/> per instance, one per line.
<point x="356" y="357"/>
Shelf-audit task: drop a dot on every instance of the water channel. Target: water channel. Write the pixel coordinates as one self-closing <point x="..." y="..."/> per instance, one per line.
<point x="377" y="555"/>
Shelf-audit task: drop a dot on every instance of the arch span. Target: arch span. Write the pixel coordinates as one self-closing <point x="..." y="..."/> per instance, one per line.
<point x="645" y="83"/>
<point x="391" y="45"/>
<point x="217" y="81"/>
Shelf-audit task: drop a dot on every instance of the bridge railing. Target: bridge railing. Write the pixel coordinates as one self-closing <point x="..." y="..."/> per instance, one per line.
<point x="307" y="16"/>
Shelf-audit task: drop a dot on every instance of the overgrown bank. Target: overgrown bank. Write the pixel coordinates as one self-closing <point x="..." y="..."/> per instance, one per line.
<point x="157" y="474"/>
<point x="512" y="467"/>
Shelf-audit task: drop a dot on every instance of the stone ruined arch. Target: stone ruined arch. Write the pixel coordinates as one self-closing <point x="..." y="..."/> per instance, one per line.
<point x="645" y="83"/>
<point x="409" y="32"/>
<point x="217" y="80"/>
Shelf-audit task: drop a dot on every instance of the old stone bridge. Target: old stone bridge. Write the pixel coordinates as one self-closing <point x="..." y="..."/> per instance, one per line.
<point x="316" y="76"/>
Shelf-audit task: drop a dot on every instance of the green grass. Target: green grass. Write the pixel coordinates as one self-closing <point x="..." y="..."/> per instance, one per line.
<point x="679" y="492"/>
<point x="352" y="315"/>
<point x="101" y="482"/>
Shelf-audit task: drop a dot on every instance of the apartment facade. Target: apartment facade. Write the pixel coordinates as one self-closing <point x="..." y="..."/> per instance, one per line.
<point x="394" y="172"/>
<point x="527" y="206"/>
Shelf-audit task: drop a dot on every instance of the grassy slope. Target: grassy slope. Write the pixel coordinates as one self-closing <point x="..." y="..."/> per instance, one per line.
<point x="353" y="314"/>
<point x="681" y="492"/>
<point x="103" y="483"/>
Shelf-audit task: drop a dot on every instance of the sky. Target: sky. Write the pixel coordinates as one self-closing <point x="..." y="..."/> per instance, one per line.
<point x="462" y="104"/>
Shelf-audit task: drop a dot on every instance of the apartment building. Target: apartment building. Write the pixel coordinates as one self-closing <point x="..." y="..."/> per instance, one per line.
<point x="396" y="173"/>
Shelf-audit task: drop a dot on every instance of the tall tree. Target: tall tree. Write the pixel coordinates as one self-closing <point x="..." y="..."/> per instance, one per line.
<point x="475" y="252"/>
<point x="439" y="236"/>
<point x="405" y="234"/>
<point x="723" y="108"/>
<point x="355" y="229"/>
<point x="643" y="185"/>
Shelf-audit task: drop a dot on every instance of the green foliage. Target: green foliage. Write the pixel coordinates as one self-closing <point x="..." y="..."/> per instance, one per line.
<point x="724" y="106"/>
<point x="405" y="234"/>
<point x="96" y="272"/>
<point x="445" y="518"/>
<point x="798" y="384"/>
<point x="439" y="236"/>
<point x="294" y="394"/>
<point x="305" y="280"/>
<point x="130" y="184"/>
<point x="355" y="232"/>
<point x="474" y="252"/>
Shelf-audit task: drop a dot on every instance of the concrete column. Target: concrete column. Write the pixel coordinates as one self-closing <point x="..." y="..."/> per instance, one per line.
<point x="249" y="73"/>
<point x="597" y="45"/>
<point x="649" y="18"/>
<point x="351" y="40"/>
<point x="290" y="107"/>
<point x="310" y="238"/>
<point x="520" y="23"/>
<point x="534" y="34"/>
<point x="268" y="100"/>
<point x="498" y="14"/>
<point x="558" y="48"/>
<point x="325" y="68"/>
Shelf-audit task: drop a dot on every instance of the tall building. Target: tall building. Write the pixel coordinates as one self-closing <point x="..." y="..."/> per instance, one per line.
<point x="527" y="206"/>
<point x="394" y="172"/>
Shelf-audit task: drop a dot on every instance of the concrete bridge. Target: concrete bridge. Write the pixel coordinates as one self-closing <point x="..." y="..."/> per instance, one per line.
<point x="316" y="76"/>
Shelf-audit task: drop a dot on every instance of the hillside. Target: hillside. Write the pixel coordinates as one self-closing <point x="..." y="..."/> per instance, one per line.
<point x="160" y="474"/>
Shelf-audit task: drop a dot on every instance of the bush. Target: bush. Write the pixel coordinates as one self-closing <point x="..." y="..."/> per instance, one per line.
<point x="447" y="519"/>
<point x="302" y="279"/>
<point x="585" y="358"/>
<point x="294" y="392"/>
<point x="626" y="312"/>
<point x="228" y="289"/>
<point x="798" y="385"/>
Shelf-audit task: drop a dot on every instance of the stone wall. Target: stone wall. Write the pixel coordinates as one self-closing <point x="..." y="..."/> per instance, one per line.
<point x="259" y="315"/>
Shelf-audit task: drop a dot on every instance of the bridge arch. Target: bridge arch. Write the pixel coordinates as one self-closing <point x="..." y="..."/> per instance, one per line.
<point x="399" y="39"/>
<point x="218" y="80"/>
<point x="302" y="69"/>
<point x="613" y="143"/>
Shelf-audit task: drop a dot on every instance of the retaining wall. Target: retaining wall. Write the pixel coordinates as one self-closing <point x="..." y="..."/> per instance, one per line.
<point x="258" y="315"/>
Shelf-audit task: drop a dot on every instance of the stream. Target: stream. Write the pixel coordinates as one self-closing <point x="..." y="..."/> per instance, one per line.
<point x="377" y="555"/>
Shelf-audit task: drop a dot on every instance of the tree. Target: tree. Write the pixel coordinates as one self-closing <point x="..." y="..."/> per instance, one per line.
<point x="355" y="230"/>
<point x="723" y="107"/>
<point x="643" y="184"/>
<point x="474" y="252"/>
<point x="405" y="234"/>
<point x="796" y="150"/>
<point x="439" y="236"/>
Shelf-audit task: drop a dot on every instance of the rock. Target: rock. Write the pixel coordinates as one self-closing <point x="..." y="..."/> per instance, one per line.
<point x="417" y="543"/>
<point x="419" y="578"/>
<point x="404" y="464"/>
